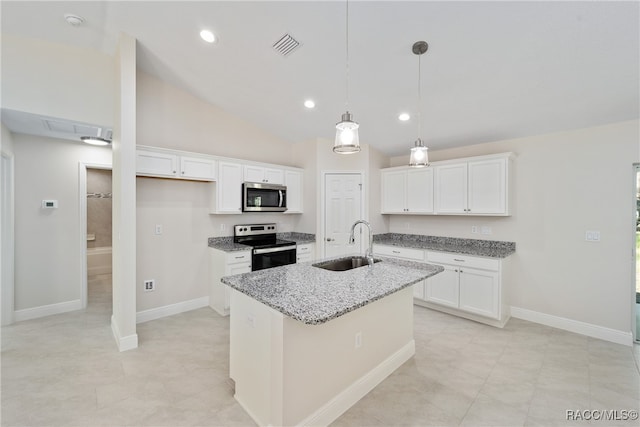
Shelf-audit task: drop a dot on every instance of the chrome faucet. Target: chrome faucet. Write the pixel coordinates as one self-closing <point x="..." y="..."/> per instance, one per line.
<point x="352" y="240"/>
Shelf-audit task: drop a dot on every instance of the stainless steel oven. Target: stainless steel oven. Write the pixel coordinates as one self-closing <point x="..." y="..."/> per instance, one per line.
<point x="268" y="251"/>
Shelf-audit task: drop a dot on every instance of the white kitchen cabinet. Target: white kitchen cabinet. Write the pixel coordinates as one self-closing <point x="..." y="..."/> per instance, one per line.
<point x="225" y="264"/>
<point x="293" y="181"/>
<point x="174" y="164"/>
<point x="305" y="252"/>
<point x="256" y="173"/>
<point x="472" y="187"/>
<point x="404" y="253"/>
<point x="227" y="198"/>
<point x="407" y="191"/>
<point x="468" y="284"/>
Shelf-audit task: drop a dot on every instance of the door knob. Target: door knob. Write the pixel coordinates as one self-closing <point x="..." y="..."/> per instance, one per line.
<point x="329" y="239"/>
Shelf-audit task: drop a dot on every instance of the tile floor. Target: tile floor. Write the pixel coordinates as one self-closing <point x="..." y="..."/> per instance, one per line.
<point x="65" y="370"/>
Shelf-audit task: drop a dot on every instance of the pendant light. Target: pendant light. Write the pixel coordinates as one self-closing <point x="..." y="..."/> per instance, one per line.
<point x="347" y="140"/>
<point x="419" y="157"/>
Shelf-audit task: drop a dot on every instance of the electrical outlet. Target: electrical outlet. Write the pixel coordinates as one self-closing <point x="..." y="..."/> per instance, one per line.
<point x="223" y="227"/>
<point x="592" y="236"/>
<point x="149" y="285"/>
<point x="485" y="229"/>
<point x="358" y="340"/>
<point x="158" y="229"/>
<point x="474" y="229"/>
<point x="407" y="225"/>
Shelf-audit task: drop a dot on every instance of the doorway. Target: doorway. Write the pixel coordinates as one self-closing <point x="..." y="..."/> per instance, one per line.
<point x="6" y="231"/>
<point x="99" y="226"/>
<point x="343" y="205"/>
<point x="95" y="182"/>
<point x="637" y="253"/>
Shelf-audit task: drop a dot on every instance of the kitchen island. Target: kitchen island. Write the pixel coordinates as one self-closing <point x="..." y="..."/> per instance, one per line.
<point x="307" y="343"/>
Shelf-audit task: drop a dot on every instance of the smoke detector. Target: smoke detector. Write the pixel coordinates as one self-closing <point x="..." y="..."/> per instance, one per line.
<point x="73" y="20"/>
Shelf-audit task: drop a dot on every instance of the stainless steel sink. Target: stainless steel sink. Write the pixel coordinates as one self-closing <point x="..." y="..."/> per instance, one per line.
<point x="344" y="264"/>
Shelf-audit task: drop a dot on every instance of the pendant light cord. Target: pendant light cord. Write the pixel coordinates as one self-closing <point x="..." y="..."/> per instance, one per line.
<point x="347" y="53"/>
<point x="419" y="98"/>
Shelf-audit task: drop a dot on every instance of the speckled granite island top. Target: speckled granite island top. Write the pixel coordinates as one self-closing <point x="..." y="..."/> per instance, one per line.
<point x="313" y="295"/>
<point x="484" y="248"/>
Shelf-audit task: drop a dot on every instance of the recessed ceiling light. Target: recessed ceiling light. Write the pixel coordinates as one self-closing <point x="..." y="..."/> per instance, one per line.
<point x="207" y="36"/>
<point x="73" y="20"/>
<point x="309" y="103"/>
<point x="403" y="117"/>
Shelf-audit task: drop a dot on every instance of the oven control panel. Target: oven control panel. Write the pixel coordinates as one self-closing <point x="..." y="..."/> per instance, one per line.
<point x="254" y="229"/>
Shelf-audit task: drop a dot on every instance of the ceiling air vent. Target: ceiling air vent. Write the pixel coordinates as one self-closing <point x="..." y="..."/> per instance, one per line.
<point x="286" y="45"/>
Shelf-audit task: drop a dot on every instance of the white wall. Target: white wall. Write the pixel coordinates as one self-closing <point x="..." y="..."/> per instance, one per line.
<point x="565" y="184"/>
<point x="47" y="241"/>
<point x="169" y="117"/>
<point x="57" y="80"/>
<point x="179" y="258"/>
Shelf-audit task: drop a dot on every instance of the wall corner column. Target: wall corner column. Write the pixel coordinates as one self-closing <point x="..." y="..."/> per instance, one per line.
<point x="123" y="320"/>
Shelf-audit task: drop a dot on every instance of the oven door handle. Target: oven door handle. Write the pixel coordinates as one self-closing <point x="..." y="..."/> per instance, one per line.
<point x="271" y="250"/>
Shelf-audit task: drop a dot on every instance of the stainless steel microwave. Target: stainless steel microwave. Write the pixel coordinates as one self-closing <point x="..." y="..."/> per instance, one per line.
<point x="261" y="197"/>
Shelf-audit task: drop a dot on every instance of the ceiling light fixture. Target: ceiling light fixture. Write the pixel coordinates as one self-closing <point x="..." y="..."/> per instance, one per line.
<point x="347" y="140"/>
<point x="403" y="117"/>
<point x="97" y="140"/>
<point x="309" y="103"/>
<point x="207" y="36"/>
<point x="419" y="156"/>
<point x="73" y="20"/>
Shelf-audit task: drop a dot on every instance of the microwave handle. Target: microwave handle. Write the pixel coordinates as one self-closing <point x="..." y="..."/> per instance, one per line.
<point x="279" y="198"/>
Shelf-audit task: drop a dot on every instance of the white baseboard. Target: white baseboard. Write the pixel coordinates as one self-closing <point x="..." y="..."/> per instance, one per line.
<point x="46" y="310"/>
<point x="170" y="310"/>
<point x="124" y="343"/>
<point x="356" y="391"/>
<point x="588" y="329"/>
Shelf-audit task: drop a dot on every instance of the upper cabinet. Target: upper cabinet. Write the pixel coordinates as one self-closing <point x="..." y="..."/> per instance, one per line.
<point x="227" y="198"/>
<point x="255" y="173"/>
<point x="470" y="186"/>
<point x="293" y="181"/>
<point x="407" y="191"/>
<point x="473" y="187"/>
<point x="174" y="164"/>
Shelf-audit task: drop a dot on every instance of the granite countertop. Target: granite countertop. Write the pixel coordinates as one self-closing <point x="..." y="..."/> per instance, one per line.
<point x="484" y="248"/>
<point x="313" y="295"/>
<point x="226" y="243"/>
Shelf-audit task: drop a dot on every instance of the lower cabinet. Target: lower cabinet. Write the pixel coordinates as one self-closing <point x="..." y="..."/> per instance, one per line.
<point x="469" y="284"/>
<point x="305" y="252"/>
<point x="404" y="253"/>
<point x="225" y="264"/>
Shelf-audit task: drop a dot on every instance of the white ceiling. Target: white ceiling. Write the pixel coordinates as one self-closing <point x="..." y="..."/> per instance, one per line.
<point x="494" y="70"/>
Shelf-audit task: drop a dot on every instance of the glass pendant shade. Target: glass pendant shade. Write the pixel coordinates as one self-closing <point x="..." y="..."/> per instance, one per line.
<point x="347" y="140"/>
<point x="419" y="157"/>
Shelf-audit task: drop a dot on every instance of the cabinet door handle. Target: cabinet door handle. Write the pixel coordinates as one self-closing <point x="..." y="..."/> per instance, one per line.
<point x="456" y="270"/>
<point x="395" y="252"/>
<point x="461" y="271"/>
<point x="459" y="260"/>
<point x="329" y="239"/>
<point x="240" y="257"/>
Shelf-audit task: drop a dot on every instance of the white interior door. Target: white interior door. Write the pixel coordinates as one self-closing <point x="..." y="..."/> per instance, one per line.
<point x="342" y="207"/>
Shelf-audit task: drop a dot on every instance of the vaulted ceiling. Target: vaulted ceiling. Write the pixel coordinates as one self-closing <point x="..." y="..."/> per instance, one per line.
<point x="494" y="70"/>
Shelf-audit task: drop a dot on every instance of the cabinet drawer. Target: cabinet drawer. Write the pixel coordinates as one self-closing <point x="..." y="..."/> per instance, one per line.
<point x="464" y="260"/>
<point x="303" y="249"/>
<point x="398" y="252"/>
<point x="237" y="257"/>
